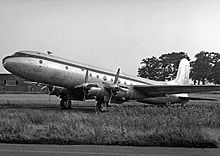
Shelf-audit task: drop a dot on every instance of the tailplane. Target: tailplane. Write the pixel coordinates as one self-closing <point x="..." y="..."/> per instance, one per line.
<point x="182" y="77"/>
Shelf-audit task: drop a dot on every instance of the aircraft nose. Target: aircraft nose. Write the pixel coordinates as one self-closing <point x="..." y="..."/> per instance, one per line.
<point x="4" y="62"/>
<point x="7" y="63"/>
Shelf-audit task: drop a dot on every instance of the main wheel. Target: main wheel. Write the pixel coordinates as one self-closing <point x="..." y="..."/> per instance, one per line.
<point x="101" y="106"/>
<point x="65" y="104"/>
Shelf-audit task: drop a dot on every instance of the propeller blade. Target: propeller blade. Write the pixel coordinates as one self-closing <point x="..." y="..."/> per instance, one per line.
<point x="114" y="84"/>
<point x="110" y="98"/>
<point x="117" y="76"/>
<point x="42" y="88"/>
<point x="87" y="76"/>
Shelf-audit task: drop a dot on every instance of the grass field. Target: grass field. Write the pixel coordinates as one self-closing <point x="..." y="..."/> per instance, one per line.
<point x="38" y="119"/>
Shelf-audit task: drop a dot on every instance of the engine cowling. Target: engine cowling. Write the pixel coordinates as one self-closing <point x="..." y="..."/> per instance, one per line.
<point x="96" y="91"/>
<point x="123" y="94"/>
<point x="120" y="96"/>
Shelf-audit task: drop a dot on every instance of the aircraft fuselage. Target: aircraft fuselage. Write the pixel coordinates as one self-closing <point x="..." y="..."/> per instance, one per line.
<point x="55" y="71"/>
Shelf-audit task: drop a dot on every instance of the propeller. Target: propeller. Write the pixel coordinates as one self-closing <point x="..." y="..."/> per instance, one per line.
<point x="84" y="85"/>
<point x="114" y="84"/>
<point x="113" y="87"/>
<point x="117" y="76"/>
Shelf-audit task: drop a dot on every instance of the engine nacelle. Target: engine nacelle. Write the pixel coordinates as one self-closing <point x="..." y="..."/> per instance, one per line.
<point x="123" y="94"/>
<point x="101" y="91"/>
<point x="96" y="91"/>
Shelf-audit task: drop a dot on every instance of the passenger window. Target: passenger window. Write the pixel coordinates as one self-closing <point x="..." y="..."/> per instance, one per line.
<point x="104" y="78"/>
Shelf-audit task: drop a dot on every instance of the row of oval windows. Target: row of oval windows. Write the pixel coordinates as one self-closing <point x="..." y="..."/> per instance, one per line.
<point x="97" y="76"/>
<point x="105" y="78"/>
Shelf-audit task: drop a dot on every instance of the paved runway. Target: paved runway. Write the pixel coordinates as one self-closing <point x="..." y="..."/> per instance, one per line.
<point x="65" y="150"/>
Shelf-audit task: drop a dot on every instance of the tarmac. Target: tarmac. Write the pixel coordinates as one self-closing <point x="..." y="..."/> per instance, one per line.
<point x="90" y="150"/>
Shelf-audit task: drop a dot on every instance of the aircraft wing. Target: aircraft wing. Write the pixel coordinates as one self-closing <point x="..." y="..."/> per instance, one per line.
<point x="174" y="89"/>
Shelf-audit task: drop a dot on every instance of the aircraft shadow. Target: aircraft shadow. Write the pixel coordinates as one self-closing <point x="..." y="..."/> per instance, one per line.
<point x="85" y="109"/>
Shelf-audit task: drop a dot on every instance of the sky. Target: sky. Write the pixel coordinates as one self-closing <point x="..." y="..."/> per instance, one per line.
<point x="109" y="33"/>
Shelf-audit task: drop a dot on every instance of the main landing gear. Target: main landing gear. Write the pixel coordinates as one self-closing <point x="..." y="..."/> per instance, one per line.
<point x="101" y="105"/>
<point x="65" y="104"/>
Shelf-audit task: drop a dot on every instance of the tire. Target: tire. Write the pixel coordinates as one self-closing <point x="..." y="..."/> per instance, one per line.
<point x="100" y="108"/>
<point x="65" y="104"/>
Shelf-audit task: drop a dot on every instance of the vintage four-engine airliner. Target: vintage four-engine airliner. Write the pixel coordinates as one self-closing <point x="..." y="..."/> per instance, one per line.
<point x="72" y="80"/>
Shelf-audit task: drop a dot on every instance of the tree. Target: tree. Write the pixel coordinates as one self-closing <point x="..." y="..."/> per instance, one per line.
<point x="216" y="73"/>
<point x="202" y="67"/>
<point x="193" y="74"/>
<point x="214" y="60"/>
<point x="150" y="68"/>
<point x="164" y="68"/>
<point x="170" y="63"/>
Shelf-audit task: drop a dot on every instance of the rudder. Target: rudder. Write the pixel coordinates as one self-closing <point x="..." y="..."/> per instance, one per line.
<point x="182" y="77"/>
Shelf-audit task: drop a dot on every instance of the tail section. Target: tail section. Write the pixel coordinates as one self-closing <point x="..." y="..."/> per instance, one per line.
<point x="182" y="77"/>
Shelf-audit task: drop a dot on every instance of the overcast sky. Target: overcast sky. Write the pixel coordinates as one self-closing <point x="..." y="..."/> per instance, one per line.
<point x="109" y="33"/>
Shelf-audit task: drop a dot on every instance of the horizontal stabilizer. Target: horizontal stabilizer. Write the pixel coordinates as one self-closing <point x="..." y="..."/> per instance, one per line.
<point x="198" y="98"/>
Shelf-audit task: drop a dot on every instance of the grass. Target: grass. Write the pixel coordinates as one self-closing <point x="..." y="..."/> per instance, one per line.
<point x="195" y="125"/>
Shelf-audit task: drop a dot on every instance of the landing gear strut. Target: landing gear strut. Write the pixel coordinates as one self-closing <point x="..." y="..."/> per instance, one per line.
<point x="101" y="105"/>
<point x="65" y="104"/>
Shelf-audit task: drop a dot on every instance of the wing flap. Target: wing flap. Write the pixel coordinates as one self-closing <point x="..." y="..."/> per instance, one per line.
<point x="175" y="89"/>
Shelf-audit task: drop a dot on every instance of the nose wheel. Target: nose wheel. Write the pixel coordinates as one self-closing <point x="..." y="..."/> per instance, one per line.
<point x="65" y="104"/>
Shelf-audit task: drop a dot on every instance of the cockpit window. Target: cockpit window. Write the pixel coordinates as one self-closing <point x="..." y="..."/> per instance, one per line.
<point x="16" y="54"/>
<point x="20" y="54"/>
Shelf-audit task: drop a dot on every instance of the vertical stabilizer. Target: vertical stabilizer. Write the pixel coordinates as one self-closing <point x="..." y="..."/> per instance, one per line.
<point x="182" y="77"/>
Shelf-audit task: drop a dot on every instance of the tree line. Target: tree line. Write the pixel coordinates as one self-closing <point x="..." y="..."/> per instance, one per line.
<point x="204" y="69"/>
